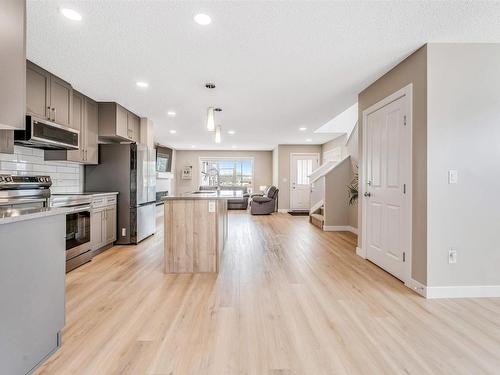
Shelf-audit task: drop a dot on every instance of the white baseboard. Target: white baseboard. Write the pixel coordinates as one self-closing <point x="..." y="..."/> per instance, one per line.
<point x="417" y="287"/>
<point x="283" y="210"/>
<point x="479" y="291"/>
<point x="340" y="228"/>
<point x="360" y="252"/>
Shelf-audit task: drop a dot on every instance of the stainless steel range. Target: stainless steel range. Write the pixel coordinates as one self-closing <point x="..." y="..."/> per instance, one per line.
<point x="78" y="245"/>
<point x="24" y="192"/>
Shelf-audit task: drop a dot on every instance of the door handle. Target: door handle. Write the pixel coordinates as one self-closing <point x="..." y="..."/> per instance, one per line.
<point x="48" y="113"/>
<point x="367" y="194"/>
<point x="54" y="114"/>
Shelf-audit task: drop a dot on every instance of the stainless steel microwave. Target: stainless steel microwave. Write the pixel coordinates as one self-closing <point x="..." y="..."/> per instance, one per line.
<point x="47" y="135"/>
<point x="163" y="159"/>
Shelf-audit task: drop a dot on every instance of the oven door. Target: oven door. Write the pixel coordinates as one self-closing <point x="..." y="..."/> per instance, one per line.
<point x="77" y="232"/>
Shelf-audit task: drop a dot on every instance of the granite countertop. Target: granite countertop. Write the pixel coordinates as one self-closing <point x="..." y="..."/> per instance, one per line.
<point x="206" y="194"/>
<point x="12" y="215"/>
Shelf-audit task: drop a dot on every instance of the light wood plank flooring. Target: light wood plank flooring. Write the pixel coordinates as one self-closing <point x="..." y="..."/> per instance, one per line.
<point x="290" y="299"/>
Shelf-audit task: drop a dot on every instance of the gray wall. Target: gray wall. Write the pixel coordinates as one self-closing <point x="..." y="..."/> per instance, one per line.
<point x="463" y="134"/>
<point x="349" y="148"/>
<point x="336" y="197"/>
<point x="263" y="166"/>
<point x="412" y="70"/>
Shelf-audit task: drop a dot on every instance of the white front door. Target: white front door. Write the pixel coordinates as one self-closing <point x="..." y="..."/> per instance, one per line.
<point x="388" y="157"/>
<point x="302" y="166"/>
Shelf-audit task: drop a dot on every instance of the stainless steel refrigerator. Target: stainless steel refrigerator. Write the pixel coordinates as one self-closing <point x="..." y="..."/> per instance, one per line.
<point x="130" y="170"/>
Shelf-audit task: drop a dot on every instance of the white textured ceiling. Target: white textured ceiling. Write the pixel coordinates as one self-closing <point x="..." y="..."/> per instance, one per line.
<point x="277" y="65"/>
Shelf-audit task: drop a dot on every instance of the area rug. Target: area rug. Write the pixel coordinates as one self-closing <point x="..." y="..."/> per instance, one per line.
<point x="299" y="213"/>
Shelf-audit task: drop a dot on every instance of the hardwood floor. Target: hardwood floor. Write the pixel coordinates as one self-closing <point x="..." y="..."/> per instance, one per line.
<point x="290" y="299"/>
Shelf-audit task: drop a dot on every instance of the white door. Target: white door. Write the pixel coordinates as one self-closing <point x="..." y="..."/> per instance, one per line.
<point x="302" y="166"/>
<point x="388" y="156"/>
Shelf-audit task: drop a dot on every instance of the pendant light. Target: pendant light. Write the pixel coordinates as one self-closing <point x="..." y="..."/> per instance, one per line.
<point x="217" y="134"/>
<point x="210" y="119"/>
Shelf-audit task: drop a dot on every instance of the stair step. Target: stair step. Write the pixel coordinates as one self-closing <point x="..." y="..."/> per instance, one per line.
<point x="317" y="220"/>
<point x="318" y="217"/>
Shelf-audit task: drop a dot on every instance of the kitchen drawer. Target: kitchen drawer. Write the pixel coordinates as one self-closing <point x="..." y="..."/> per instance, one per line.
<point x="110" y="199"/>
<point x="99" y="201"/>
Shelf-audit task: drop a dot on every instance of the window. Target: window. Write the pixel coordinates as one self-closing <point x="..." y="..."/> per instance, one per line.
<point x="232" y="172"/>
<point x="304" y="169"/>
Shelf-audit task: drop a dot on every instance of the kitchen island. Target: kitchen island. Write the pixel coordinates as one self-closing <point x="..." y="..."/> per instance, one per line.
<point x="32" y="286"/>
<point x="195" y="230"/>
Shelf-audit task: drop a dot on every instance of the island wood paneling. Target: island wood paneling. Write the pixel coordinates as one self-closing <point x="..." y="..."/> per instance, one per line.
<point x="194" y="237"/>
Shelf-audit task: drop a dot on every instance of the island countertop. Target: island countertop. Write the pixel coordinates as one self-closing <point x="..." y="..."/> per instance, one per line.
<point x="12" y="215"/>
<point x="206" y="195"/>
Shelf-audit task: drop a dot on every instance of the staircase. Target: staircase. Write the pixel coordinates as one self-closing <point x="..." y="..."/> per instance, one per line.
<point x="332" y="177"/>
<point x="317" y="218"/>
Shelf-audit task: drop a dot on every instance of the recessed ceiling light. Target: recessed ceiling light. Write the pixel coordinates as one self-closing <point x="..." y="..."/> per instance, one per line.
<point x="173" y="131"/>
<point x="308" y="140"/>
<point x="202" y="19"/>
<point x="71" y="14"/>
<point x="193" y="146"/>
<point x="171" y="113"/>
<point x="231" y="132"/>
<point x="233" y="146"/>
<point x="303" y="129"/>
<point x="142" y="84"/>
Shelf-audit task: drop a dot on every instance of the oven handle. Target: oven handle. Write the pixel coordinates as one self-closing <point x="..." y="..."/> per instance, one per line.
<point x="78" y="209"/>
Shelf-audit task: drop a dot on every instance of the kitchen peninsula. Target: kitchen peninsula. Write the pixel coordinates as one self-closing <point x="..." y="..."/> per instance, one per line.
<point x="195" y="230"/>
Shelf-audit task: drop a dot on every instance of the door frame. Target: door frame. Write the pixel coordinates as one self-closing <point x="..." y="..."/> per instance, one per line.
<point x="407" y="92"/>
<point x="291" y="169"/>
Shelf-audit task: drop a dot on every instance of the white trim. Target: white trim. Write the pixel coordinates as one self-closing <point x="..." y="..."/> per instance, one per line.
<point x="290" y="156"/>
<point x="407" y="92"/>
<point x="417" y="287"/>
<point x="479" y="291"/>
<point x="360" y="252"/>
<point x="283" y="210"/>
<point x="340" y="228"/>
<point x="316" y="206"/>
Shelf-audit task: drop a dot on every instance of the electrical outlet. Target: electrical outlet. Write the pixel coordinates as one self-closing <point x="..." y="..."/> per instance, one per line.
<point x="452" y="176"/>
<point x="211" y="206"/>
<point x="452" y="256"/>
<point x="124" y="232"/>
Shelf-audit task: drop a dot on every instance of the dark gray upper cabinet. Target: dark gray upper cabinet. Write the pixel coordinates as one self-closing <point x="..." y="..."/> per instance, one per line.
<point x="61" y="97"/>
<point x="37" y="91"/>
<point x="117" y="123"/>
<point x="84" y="119"/>
<point x="12" y="64"/>
<point x="91" y="130"/>
<point x="133" y="127"/>
<point x="47" y="96"/>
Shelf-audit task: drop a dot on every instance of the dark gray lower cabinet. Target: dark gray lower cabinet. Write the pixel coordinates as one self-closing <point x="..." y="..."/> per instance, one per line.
<point x="32" y="287"/>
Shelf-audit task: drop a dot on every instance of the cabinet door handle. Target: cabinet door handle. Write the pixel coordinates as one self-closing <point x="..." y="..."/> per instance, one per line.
<point x="47" y="114"/>
<point x="53" y="114"/>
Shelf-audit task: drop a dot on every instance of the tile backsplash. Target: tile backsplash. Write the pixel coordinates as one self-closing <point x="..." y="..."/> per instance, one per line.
<point x="67" y="177"/>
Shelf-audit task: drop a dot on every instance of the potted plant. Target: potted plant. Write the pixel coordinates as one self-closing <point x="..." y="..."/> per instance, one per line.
<point x="352" y="188"/>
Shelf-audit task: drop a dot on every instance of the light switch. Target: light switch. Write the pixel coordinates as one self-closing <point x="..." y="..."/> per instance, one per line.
<point x="211" y="206"/>
<point x="452" y="176"/>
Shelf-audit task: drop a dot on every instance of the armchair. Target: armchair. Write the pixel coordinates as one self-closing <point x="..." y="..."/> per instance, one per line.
<point x="264" y="204"/>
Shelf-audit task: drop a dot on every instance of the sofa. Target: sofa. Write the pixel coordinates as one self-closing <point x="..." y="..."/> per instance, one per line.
<point x="236" y="203"/>
<point x="264" y="204"/>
